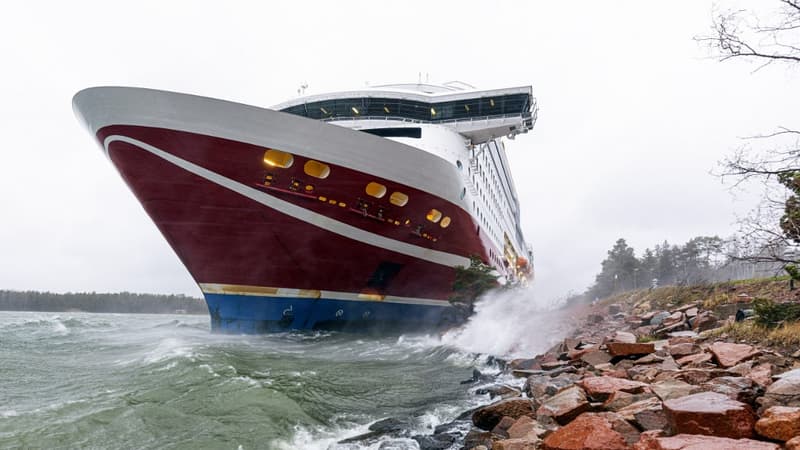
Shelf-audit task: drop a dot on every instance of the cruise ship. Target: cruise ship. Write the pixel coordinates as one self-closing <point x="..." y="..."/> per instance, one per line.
<point x="349" y="210"/>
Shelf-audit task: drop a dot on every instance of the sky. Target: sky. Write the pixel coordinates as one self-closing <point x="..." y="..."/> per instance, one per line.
<point x="634" y="116"/>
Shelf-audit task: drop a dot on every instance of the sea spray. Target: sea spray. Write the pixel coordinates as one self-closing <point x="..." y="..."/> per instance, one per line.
<point x="510" y="323"/>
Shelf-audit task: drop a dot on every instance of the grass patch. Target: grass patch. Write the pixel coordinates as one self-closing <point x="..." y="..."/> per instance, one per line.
<point x="785" y="335"/>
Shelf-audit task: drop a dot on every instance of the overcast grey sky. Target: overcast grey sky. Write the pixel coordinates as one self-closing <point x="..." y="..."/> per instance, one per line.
<point x="634" y="114"/>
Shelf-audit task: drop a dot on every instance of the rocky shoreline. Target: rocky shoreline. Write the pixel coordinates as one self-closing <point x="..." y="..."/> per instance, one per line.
<point x="633" y="378"/>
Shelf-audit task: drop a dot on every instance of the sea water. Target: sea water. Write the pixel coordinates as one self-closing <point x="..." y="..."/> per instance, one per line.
<point x="79" y="380"/>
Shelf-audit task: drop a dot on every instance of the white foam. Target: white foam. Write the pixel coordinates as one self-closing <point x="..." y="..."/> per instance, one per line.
<point x="510" y="324"/>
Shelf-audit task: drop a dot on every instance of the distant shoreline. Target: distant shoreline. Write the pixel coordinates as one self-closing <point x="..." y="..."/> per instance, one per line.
<point x="95" y="302"/>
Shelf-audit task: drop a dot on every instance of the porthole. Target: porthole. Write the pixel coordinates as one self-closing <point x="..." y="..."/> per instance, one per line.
<point x="434" y="215"/>
<point x="376" y="190"/>
<point x="445" y="222"/>
<point x="316" y="169"/>
<point x="277" y="158"/>
<point x="398" y="199"/>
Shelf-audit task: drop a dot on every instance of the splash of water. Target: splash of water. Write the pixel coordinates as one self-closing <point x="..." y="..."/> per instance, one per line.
<point x="511" y="324"/>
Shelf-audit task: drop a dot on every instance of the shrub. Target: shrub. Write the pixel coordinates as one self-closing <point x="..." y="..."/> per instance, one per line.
<point x="770" y="314"/>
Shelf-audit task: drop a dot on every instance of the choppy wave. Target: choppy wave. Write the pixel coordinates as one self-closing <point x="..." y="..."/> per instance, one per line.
<point x="143" y="381"/>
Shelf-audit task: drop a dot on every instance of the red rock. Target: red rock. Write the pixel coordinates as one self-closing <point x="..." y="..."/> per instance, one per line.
<point x="674" y="317"/>
<point x="489" y="416"/>
<point x="502" y="426"/>
<point x="792" y="444"/>
<point x="727" y="354"/>
<point x="710" y="413"/>
<point x="565" y="405"/>
<point x="696" y="359"/>
<point x="647" y="414"/>
<point x="600" y="388"/>
<point x="683" y="349"/>
<point x="699" y="376"/>
<point x="779" y="423"/>
<point x="522" y="427"/>
<point x="738" y="388"/>
<point x="704" y="321"/>
<point x="595" y="357"/>
<point x="587" y="432"/>
<point x="618" y="423"/>
<point x="621" y="336"/>
<point x="531" y="443"/>
<point x="697" y="442"/>
<point x="525" y="364"/>
<point x="619" y="400"/>
<point x="550" y="365"/>
<point x="628" y="349"/>
<point x="644" y="374"/>
<point x="669" y="389"/>
<point x="761" y="374"/>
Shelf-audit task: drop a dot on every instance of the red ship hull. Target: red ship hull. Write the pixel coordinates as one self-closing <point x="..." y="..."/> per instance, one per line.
<point x="275" y="248"/>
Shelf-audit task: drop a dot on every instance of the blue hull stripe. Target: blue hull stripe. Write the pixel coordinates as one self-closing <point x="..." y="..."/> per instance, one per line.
<point x="262" y="314"/>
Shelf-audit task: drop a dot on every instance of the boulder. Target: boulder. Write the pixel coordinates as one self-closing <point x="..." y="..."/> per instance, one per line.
<point x="527" y="443"/>
<point x="710" y="413"/>
<point x="658" y="318"/>
<point x="697" y="442"/>
<point x="565" y="405"/>
<point x="501" y="428"/>
<point x="700" y="376"/>
<point x="587" y="432"/>
<point x="738" y="388"/>
<point x="489" y="416"/>
<point x="522" y="427"/>
<point x="704" y="321"/>
<point x="683" y="349"/>
<point x="525" y="364"/>
<point x="600" y="388"/>
<point x="670" y="389"/>
<point x="539" y="387"/>
<point x="761" y="374"/>
<point x="499" y="390"/>
<point x="792" y="444"/>
<point x="629" y="349"/>
<point x="595" y="357"/>
<point x="476" y="438"/>
<point x="694" y="360"/>
<point x="785" y="391"/>
<point x="619" y="424"/>
<point x="652" y="358"/>
<point x="614" y="308"/>
<point x="727" y="354"/>
<point x="780" y="423"/>
<point x="619" y="400"/>
<point x="646" y="414"/>
<point x="621" y="336"/>
<point x="436" y="441"/>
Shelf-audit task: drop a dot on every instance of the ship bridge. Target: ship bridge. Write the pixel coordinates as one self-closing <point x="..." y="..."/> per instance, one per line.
<point x="477" y="115"/>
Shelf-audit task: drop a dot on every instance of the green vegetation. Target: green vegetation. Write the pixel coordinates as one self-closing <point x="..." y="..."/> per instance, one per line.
<point x="472" y="282"/>
<point x="696" y="261"/>
<point x="122" y="302"/>
<point x="769" y="314"/>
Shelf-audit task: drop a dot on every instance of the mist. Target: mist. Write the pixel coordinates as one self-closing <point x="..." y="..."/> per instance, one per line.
<point x="513" y="324"/>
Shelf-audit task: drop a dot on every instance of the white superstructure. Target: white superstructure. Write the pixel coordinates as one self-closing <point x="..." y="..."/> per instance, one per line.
<point x="461" y="125"/>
